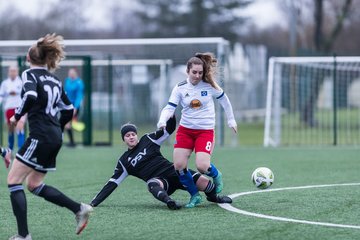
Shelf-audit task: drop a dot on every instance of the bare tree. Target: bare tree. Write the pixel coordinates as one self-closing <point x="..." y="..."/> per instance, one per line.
<point x="193" y="18"/>
<point x="325" y="43"/>
<point x="124" y="23"/>
<point x="67" y="18"/>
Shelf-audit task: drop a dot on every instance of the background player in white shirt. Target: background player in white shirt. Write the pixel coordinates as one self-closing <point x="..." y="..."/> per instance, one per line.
<point x="196" y="130"/>
<point x="10" y="91"/>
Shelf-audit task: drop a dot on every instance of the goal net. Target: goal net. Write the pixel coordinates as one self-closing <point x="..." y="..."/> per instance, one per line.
<point x="130" y="80"/>
<point x="313" y="101"/>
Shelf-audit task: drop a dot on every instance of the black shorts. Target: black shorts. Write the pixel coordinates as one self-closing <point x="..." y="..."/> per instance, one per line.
<point x="172" y="182"/>
<point x="38" y="155"/>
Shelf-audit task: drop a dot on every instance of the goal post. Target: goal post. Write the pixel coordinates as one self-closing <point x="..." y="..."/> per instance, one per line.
<point x="127" y="78"/>
<point x="103" y="105"/>
<point x="84" y="67"/>
<point x="313" y="101"/>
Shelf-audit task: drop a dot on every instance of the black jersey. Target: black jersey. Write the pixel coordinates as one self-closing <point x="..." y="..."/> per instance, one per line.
<point x="144" y="161"/>
<point x="42" y="98"/>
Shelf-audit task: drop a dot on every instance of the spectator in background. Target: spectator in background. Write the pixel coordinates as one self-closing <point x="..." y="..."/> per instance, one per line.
<point x="74" y="88"/>
<point x="10" y="91"/>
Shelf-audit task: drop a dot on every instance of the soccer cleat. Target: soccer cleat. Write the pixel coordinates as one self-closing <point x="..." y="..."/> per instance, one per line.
<point x="219" y="183"/>
<point x="82" y="217"/>
<point x="6" y="154"/>
<point x="173" y="205"/>
<point x="219" y="199"/>
<point x="18" y="237"/>
<point x="194" y="200"/>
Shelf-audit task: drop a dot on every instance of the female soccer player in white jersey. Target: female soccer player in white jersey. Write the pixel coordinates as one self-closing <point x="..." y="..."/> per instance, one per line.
<point x="43" y="97"/>
<point x="10" y="91"/>
<point x="196" y="130"/>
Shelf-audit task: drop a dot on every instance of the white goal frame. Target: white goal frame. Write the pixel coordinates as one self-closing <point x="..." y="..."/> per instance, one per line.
<point x="73" y="47"/>
<point x="272" y="129"/>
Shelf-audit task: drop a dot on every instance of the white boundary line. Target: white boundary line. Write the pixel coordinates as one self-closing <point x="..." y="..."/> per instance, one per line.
<point x="236" y="210"/>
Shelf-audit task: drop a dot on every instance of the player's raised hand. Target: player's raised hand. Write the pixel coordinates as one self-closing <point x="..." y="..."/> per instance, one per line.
<point x="6" y="154"/>
<point x="232" y="124"/>
<point x="234" y="129"/>
<point x="13" y="121"/>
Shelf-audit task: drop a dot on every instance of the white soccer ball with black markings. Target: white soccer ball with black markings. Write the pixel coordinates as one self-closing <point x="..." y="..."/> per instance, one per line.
<point x="262" y="177"/>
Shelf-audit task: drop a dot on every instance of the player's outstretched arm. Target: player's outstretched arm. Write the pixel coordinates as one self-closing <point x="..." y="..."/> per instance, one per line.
<point x="162" y="134"/>
<point x="171" y="125"/>
<point x="225" y="103"/>
<point x="167" y="112"/>
<point x="118" y="176"/>
<point x="104" y="193"/>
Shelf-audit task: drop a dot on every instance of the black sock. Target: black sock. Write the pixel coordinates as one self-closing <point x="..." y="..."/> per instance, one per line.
<point x="71" y="136"/>
<point x="18" y="203"/>
<point x="158" y="192"/>
<point x="210" y="190"/>
<point x="53" y="195"/>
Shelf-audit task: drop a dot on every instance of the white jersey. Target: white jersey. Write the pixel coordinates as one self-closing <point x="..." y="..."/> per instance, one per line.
<point x="198" y="105"/>
<point x="10" y="91"/>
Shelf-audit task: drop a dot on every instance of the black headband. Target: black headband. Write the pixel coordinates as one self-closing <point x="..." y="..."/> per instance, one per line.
<point x="127" y="128"/>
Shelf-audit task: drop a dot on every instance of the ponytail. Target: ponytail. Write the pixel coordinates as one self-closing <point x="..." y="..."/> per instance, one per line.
<point x="209" y="63"/>
<point x="48" y="50"/>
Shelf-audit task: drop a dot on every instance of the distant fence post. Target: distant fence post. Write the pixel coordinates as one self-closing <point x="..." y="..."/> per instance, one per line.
<point x="335" y="102"/>
<point x="87" y="71"/>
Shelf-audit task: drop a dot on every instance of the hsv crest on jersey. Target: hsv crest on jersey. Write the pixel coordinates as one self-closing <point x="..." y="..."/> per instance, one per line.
<point x="195" y="104"/>
<point x="203" y="93"/>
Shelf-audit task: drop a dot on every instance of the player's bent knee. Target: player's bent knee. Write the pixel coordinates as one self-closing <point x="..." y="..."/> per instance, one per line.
<point x="36" y="190"/>
<point x="153" y="183"/>
<point x="202" y="167"/>
<point x="196" y="177"/>
<point x="32" y="185"/>
<point x="180" y="165"/>
<point x="201" y="170"/>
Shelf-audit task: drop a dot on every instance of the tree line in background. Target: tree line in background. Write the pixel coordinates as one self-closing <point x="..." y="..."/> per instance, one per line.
<point x="310" y="25"/>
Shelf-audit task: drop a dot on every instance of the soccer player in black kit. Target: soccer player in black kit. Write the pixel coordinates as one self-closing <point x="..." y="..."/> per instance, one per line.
<point x="144" y="160"/>
<point x="43" y="98"/>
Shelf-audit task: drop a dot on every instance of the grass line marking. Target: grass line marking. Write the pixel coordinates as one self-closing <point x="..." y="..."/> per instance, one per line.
<point x="283" y="219"/>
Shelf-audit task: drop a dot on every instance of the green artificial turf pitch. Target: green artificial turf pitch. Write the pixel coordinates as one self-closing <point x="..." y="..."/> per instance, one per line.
<point x="132" y="213"/>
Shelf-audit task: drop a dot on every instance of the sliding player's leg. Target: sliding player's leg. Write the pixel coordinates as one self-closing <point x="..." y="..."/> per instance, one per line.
<point x="157" y="189"/>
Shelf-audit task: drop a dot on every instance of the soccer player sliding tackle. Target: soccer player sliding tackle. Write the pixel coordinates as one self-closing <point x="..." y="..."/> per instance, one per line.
<point x="144" y="160"/>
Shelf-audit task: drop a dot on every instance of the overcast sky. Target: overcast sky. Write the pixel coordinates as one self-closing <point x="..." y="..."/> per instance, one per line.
<point x="263" y="12"/>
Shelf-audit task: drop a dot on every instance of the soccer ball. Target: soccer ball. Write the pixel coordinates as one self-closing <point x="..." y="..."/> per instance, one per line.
<point x="262" y="177"/>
